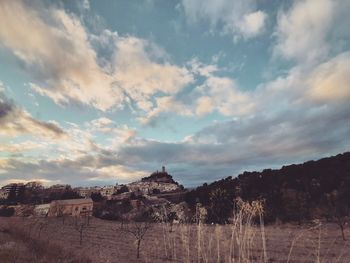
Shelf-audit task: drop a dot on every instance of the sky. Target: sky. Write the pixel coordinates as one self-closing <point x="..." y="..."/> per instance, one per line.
<point x="104" y="92"/>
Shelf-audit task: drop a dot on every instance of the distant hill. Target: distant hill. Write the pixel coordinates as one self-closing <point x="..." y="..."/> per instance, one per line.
<point x="293" y="193"/>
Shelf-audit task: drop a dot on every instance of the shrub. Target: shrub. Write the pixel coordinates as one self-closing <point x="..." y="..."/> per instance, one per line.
<point x="7" y="211"/>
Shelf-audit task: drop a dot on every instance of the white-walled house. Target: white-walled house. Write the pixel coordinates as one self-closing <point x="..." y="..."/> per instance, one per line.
<point x="42" y="210"/>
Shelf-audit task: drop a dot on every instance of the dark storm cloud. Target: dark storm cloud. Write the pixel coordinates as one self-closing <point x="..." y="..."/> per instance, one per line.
<point x="15" y="120"/>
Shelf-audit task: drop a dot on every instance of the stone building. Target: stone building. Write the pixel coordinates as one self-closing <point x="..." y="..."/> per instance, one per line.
<point x="71" y="207"/>
<point x="107" y="191"/>
<point x="83" y="191"/>
<point x="14" y="189"/>
<point x="148" y="187"/>
<point x="4" y="194"/>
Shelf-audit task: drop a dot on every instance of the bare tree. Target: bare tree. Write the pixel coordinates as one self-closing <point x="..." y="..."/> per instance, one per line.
<point x="41" y="224"/>
<point x="80" y="225"/>
<point x="137" y="230"/>
<point x="172" y="216"/>
<point x="163" y="216"/>
<point x="88" y="216"/>
<point x="61" y="213"/>
<point x="338" y="209"/>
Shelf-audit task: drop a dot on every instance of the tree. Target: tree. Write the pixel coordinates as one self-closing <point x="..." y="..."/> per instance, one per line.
<point x="70" y="194"/>
<point x="96" y="197"/>
<point x="220" y="208"/>
<point x="80" y="225"/>
<point x="137" y="230"/>
<point x="295" y="205"/>
<point x="155" y="191"/>
<point x="123" y="189"/>
<point x="338" y="209"/>
<point x="171" y="218"/>
<point x="61" y="212"/>
<point x="164" y="216"/>
<point x="7" y="211"/>
<point x="41" y="224"/>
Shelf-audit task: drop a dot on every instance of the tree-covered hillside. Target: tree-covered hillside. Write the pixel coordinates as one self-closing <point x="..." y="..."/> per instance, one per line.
<point x="314" y="189"/>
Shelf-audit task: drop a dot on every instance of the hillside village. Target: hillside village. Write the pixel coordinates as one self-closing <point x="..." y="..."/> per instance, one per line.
<point x="295" y="193"/>
<point x="107" y="202"/>
<point x="314" y="193"/>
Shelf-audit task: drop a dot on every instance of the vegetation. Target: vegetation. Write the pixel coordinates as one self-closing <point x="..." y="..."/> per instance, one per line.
<point x="229" y="217"/>
<point x="138" y="230"/>
<point x="292" y="193"/>
<point x="23" y="247"/>
<point x="123" y="189"/>
<point x="7" y="211"/>
<point x="244" y="239"/>
<point x="39" y="195"/>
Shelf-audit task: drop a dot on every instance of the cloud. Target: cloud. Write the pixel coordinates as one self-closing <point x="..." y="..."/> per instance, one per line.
<point x="2" y="88"/>
<point x="20" y="147"/>
<point x="310" y="29"/>
<point x="219" y="93"/>
<point x="101" y="123"/>
<point x="300" y="116"/>
<point x="329" y="82"/>
<point x="213" y="93"/>
<point x="263" y="141"/>
<point x="122" y="173"/>
<point x="204" y="105"/>
<point x="141" y="77"/>
<point x="166" y="104"/>
<point x="15" y="121"/>
<point x="223" y="95"/>
<point x="85" y="170"/>
<point x="116" y="134"/>
<point x="236" y="18"/>
<point x="253" y="23"/>
<point x="61" y="55"/>
<point x="86" y="4"/>
<point x="57" y="52"/>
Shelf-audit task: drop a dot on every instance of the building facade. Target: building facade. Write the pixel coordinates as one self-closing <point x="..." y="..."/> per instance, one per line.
<point x="71" y="207"/>
<point x="13" y="189"/>
<point x="4" y="194"/>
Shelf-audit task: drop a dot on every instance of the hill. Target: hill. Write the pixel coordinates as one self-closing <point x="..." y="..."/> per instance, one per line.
<point x="293" y="193"/>
<point x="160" y="177"/>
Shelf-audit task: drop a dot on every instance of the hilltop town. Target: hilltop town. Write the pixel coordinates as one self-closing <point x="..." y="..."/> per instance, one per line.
<point x="104" y="223"/>
<point x="294" y="193"/>
<point x="107" y="202"/>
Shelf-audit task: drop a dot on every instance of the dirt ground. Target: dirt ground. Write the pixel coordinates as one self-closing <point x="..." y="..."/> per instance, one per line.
<point x="103" y="241"/>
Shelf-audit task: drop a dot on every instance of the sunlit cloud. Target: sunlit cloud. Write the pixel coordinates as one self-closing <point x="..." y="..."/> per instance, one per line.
<point x="59" y="54"/>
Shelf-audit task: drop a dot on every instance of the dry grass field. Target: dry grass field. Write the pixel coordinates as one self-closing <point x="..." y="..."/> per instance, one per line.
<point x="103" y="241"/>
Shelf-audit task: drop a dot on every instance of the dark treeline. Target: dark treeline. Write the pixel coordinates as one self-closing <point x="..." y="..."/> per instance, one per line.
<point x="314" y="189"/>
<point x="38" y="196"/>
